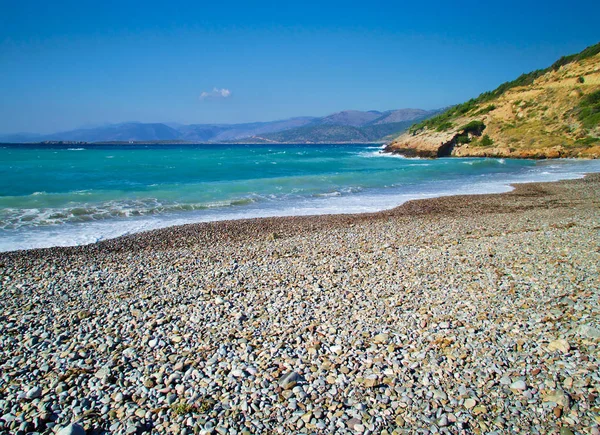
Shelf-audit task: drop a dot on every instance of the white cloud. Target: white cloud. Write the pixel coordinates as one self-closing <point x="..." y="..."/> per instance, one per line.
<point x="215" y="93"/>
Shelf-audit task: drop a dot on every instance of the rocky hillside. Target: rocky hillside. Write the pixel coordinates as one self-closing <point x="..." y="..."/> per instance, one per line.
<point x="549" y="113"/>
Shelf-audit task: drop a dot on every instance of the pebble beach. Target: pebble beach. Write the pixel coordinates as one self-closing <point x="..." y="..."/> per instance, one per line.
<point x="458" y="315"/>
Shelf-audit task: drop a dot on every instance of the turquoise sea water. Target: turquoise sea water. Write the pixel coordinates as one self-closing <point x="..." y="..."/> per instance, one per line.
<point x="68" y="195"/>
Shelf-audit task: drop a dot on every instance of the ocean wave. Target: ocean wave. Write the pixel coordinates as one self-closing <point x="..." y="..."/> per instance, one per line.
<point x="75" y="149"/>
<point x="484" y="162"/>
<point x="380" y="153"/>
<point x="329" y="194"/>
<point x="13" y="218"/>
<point x="371" y="154"/>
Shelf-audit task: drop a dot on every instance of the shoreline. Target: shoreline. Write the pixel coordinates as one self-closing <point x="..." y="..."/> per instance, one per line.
<point x="463" y="314"/>
<point x="99" y="219"/>
<point x="205" y="233"/>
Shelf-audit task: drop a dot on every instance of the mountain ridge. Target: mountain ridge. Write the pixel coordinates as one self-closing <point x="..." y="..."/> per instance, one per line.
<point x="345" y="126"/>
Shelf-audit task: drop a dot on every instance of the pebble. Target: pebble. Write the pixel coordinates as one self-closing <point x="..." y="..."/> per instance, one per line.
<point x="560" y="345"/>
<point x="469" y="403"/>
<point x="289" y="380"/>
<point x="588" y="331"/>
<point x="558" y="397"/>
<point x="72" y="429"/>
<point x="518" y="385"/>
<point x="34" y="393"/>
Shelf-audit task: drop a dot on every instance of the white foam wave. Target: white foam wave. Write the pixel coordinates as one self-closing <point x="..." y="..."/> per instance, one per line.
<point x="75" y="149"/>
<point x="329" y="194"/>
<point x="372" y="154"/>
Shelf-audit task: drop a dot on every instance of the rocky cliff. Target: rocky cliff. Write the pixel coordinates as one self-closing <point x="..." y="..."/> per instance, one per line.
<point x="549" y="113"/>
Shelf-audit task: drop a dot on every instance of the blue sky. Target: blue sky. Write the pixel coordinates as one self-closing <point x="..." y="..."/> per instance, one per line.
<point x="67" y="64"/>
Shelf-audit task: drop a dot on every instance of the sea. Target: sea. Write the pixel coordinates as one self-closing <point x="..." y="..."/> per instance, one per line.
<point x="65" y="195"/>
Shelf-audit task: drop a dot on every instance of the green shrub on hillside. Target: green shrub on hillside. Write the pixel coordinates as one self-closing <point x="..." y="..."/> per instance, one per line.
<point x="589" y="110"/>
<point x="462" y="138"/>
<point x="485" y="110"/>
<point x="474" y="127"/>
<point x="486" y="141"/>
<point x="445" y="126"/>
<point x="588" y="52"/>
<point x="587" y="141"/>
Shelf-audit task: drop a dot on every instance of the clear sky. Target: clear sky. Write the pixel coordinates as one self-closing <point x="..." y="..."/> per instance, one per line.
<point x="67" y="64"/>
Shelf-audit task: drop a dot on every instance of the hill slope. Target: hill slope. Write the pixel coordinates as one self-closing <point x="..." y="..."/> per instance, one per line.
<point x="352" y="118"/>
<point x="554" y="112"/>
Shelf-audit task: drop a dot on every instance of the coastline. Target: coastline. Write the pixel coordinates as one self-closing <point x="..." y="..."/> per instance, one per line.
<point x="469" y="314"/>
<point x="207" y="233"/>
<point x="364" y="181"/>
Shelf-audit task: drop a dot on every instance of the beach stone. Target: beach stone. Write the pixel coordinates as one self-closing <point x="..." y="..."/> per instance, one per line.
<point x="443" y="421"/>
<point x="289" y="380"/>
<point x="103" y="373"/>
<point x="588" y="331"/>
<point x="371" y="381"/>
<point x="237" y="373"/>
<point x="352" y="423"/>
<point x="469" y="403"/>
<point x="558" y="397"/>
<point x="72" y="429"/>
<point x="440" y="395"/>
<point x="8" y="417"/>
<point x="560" y="345"/>
<point x="336" y="349"/>
<point x="34" y="393"/>
<point x="479" y="410"/>
<point x="381" y="338"/>
<point x="518" y="385"/>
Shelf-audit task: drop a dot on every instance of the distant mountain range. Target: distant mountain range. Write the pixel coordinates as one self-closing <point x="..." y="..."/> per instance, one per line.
<point x="345" y="126"/>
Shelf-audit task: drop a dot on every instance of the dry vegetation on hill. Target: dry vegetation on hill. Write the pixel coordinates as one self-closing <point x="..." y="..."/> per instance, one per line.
<point x="544" y="114"/>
